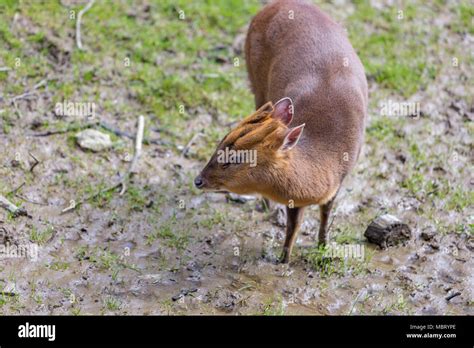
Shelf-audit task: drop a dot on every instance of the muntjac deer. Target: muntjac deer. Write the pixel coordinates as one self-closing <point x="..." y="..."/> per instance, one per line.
<point x="311" y="99"/>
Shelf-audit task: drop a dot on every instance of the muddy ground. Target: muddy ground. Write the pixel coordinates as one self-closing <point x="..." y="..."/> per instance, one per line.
<point x="165" y="248"/>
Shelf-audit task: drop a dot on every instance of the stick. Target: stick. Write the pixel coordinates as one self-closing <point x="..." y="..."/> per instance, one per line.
<point x="26" y="199"/>
<point x="62" y="131"/>
<point x="450" y="297"/>
<point x="163" y="130"/>
<point x="27" y="95"/>
<point x="5" y="68"/>
<point x="19" y="113"/>
<point x="190" y="143"/>
<point x="116" y="131"/>
<point x="17" y="189"/>
<point x="40" y="84"/>
<point x="138" y="150"/>
<point x="12" y="208"/>
<point x="356" y="300"/>
<point x="138" y="145"/>
<point x="121" y="133"/>
<point x="82" y="201"/>
<point x="34" y="164"/>
<point x="78" y="23"/>
<point x="23" y="96"/>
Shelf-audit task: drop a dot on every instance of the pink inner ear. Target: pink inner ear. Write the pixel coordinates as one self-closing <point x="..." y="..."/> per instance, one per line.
<point x="292" y="137"/>
<point x="283" y="111"/>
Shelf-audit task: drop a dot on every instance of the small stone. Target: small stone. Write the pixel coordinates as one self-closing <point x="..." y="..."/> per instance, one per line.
<point x="183" y="292"/>
<point x="427" y="235"/>
<point x="94" y="140"/>
<point x="15" y="163"/>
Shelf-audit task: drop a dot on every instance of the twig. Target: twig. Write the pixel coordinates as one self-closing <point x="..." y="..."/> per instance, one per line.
<point x="138" y="145"/>
<point x="136" y="156"/>
<point x="52" y="132"/>
<point x="29" y="93"/>
<point x="121" y="133"/>
<point x="34" y="164"/>
<point x="26" y="199"/>
<point x="62" y="131"/>
<point x="190" y="143"/>
<point x="163" y="130"/>
<point x="5" y="68"/>
<point x="17" y="189"/>
<point x="116" y="131"/>
<point x="450" y="297"/>
<point x="78" y="23"/>
<point x="12" y="208"/>
<point x="356" y="300"/>
<point x="82" y="201"/>
<point x="19" y="113"/>
<point x="40" y="84"/>
<point x="330" y="224"/>
<point x="25" y="95"/>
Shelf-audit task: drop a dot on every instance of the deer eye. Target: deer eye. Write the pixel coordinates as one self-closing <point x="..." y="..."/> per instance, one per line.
<point x="225" y="165"/>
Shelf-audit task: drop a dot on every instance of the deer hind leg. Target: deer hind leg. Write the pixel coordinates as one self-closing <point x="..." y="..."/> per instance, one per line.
<point x="325" y="211"/>
<point x="294" y="216"/>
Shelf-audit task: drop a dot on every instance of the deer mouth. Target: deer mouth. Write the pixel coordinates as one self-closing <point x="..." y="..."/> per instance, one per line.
<point x="203" y="184"/>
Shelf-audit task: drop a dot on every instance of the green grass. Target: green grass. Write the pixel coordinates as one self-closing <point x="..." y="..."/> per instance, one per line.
<point x="399" y="306"/>
<point x="137" y="197"/>
<point x="273" y="307"/>
<point x="41" y="236"/>
<point x="216" y="218"/>
<point x="327" y="265"/>
<point x="171" y="234"/>
<point x="105" y="260"/>
<point x="391" y="52"/>
<point x="112" y="304"/>
<point x="59" y="266"/>
<point x="464" y="24"/>
<point x="172" y="60"/>
<point x="178" y="62"/>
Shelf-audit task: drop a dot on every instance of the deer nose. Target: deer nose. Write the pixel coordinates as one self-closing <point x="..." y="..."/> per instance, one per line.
<point x="199" y="182"/>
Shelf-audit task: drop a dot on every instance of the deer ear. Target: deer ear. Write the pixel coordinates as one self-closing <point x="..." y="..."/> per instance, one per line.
<point x="292" y="138"/>
<point x="283" y="111"/>
<point x="267" y="107"/>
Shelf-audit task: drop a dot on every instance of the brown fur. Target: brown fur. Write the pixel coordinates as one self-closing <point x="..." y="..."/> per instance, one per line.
<point x="303" y="59"/>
